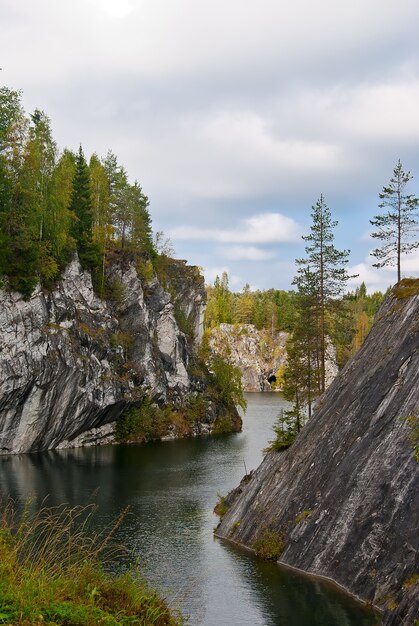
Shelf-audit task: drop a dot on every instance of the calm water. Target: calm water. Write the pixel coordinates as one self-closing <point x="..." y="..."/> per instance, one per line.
<point x="171" y="488"/>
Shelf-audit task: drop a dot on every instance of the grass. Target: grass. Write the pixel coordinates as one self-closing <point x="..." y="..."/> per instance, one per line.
<point x="406" y="287"/>
<point x="52" y="574"/>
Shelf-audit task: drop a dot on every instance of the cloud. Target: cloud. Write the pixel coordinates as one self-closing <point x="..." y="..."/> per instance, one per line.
<point x="211" y="273"/>
<point x="263" y="228"/>
<point x="374" y="279"/>
<point x="246" y="253"/>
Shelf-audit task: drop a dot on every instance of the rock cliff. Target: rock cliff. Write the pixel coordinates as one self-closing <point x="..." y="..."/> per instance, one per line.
<point x="259" y="355"/>
<point x="344" y="498"/>
<point x="72" y="363"/>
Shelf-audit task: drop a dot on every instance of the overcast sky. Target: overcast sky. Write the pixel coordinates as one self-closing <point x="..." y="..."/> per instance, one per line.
<point x="234" y="115"/>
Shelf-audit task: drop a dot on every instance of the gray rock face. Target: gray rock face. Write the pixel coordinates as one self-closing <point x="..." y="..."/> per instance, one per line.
<point x="255" y="352"/>
<point x="70" y="363"/>
<point x="259" y="355"/>
<point x="345" y="495"/>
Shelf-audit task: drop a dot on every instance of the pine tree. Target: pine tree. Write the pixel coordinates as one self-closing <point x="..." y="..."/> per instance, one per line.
<point x="302" y="381"/>
<point x="398" y="227"/>
<point x="327" y="264"/>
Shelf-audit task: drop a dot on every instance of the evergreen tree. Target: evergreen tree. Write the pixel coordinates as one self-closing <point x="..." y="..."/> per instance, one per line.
<point x="327" y="264"/>
<point x="398" y="227"/>
<point x="302" y="376"/>
<point x="81" y="208"/>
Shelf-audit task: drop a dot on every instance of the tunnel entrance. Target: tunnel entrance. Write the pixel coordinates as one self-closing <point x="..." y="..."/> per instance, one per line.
<point x="272" y="379"/>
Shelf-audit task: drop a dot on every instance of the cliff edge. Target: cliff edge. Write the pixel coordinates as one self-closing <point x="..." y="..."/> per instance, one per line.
<point x="344" y="498"/>
<point x="72" y="364"/>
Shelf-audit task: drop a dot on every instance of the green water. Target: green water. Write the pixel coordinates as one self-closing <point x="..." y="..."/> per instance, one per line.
<point x="171" y="489"/>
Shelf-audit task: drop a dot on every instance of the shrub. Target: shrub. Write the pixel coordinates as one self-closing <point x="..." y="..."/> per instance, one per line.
<point x="221" y="507"/>
<point x="228" y="382"/>
<point x="144" y="422"/>
<point x="269" y="546"/>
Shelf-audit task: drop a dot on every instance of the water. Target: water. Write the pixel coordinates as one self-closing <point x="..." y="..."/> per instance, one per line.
<point x="171" y="488"/>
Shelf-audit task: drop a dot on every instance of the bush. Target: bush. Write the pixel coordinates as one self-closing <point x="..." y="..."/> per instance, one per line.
<point x="228" y="382"/>
<point x="51" y="574"/>
<point x="221" y="507"/>
<point x="269" y="546"/>
<point x="143" y="423"/>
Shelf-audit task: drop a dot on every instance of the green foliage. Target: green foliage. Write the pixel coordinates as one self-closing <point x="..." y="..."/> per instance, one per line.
<point x="269" y="546"/>
<point x="228" y="382"/>
<point x="184" y="323"/>
<point x="286" y="428"/>
<point x="51" y="206"/>
<point x="272" y="309"/>
<point x="397" y="228"/>
<point x="413" y="423"/>
<point x="52" y="573"/>
<point x="143" y="423"/>
<point x="321" y="276"/>
<point x="221" y="507"/>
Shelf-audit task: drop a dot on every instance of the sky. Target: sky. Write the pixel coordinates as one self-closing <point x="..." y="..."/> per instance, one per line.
<point x="234" y="115"/>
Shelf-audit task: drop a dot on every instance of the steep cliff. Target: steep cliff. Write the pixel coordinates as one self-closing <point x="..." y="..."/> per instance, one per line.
<point x="259" y="355"/>
<point x="71" y="363"/>
<point x="344" y="498"/>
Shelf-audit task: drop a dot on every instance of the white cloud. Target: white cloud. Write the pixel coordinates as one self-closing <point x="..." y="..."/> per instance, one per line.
<point x="374" y="279"/>
<point x="263" y="228"/>
<point x="246" y="253"/>
<point x="211" y="273"/>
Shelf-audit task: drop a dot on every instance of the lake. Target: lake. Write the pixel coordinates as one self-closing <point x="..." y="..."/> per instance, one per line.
<point x="171" y="488"/>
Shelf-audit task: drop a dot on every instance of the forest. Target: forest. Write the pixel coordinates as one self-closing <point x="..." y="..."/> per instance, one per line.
<point x="54" y="203"/>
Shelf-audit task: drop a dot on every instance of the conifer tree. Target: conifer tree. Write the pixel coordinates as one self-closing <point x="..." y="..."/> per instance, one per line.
<point x="327" y="264"/>
<point x="398" y="227"/>
<point x="81" y="208"/>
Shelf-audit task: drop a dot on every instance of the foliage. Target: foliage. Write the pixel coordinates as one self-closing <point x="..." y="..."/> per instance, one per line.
<point x="406" y="288"/>
<point x="221" y="507"/>
<point x="322" y="276"/>
<point x="51" y="572"/>
<point x="144" y="422"/>
<point x="286" y="428"/>
<point x="269" y="546"/>
<point x="227" y="381"/>
<point x="397" y="228"/>
<point x="52" y="205"/>
<point x="271" y="309"/>
<point x="413" y="423"/>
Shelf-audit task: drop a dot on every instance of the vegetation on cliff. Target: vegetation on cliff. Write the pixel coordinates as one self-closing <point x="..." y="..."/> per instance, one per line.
<point x="52" y="573"/>
<point x="53" y="204"/>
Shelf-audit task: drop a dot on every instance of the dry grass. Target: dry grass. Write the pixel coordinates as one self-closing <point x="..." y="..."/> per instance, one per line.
<point x="51" y="573"/>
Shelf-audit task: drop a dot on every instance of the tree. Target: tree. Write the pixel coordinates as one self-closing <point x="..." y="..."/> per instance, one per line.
<point x="302" y="380"/>
<point x="81" y="207"/>
<point x="399" y="225"/>
<point x="327" y="267"/>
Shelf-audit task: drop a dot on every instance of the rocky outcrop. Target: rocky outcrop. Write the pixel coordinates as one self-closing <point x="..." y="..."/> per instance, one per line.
<point x="72" y="363"/>
<point x="344" y="497"/>
<point x="259" y="355"/>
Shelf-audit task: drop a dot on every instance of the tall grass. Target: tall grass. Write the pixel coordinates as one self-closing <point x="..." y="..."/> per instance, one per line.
<point x="51" y="573"/>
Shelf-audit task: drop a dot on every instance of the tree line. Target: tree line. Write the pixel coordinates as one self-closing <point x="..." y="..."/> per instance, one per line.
<point x="55" y="203"/>
<point x="319" y="312"/>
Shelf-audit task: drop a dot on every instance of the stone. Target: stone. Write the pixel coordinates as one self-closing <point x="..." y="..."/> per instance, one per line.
<point x="345" y="495"/>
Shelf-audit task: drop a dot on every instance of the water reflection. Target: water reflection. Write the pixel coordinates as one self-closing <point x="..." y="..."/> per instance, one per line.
<point x="171" y="489"/>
